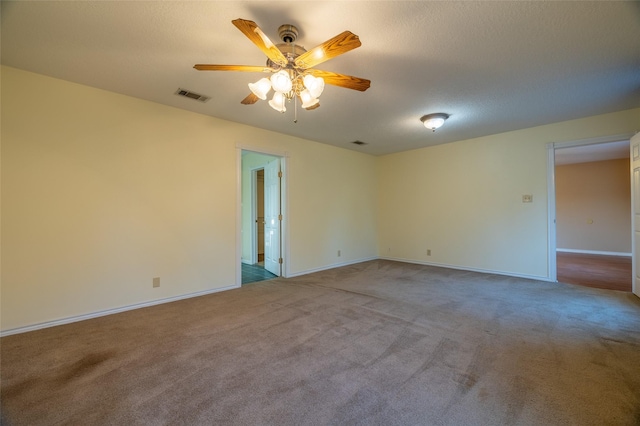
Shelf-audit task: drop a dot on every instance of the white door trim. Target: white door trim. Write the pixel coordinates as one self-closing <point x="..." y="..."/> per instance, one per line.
<point x="284" y="200"/>
<point x="552" y="267"/>
<point x="551" y="191"/>
<point x="633" y="153"/>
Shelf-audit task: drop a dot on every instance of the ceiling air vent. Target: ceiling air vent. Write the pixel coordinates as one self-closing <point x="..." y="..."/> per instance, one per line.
<point x="192" y="95"/>
<point x="358" y="143"/>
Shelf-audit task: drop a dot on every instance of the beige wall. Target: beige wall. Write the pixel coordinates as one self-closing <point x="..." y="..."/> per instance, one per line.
<point x="463" y="200"/>
<point x="102" y="192"/>
<point x="593" y="206"/>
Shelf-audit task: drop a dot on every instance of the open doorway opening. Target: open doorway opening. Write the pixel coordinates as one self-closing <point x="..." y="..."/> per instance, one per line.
<point x="592" y="204"/>
<point x="262" y="219"/>
<point x="254" y="270"/>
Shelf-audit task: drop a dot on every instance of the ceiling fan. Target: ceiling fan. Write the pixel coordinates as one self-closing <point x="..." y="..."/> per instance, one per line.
<point x="291" y="67"/>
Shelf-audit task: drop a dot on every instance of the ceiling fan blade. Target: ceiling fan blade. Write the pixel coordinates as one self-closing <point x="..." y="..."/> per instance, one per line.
<point x="245" y="68"/>
<point x="331" y="48"/>
<point x="346" y="81"/>
<point x="250" y="99"/>
<point x="259" y="38"/>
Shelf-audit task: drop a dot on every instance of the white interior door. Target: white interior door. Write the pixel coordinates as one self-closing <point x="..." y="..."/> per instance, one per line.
<point x="635" y="202"/>
<point x="272" y="217"/>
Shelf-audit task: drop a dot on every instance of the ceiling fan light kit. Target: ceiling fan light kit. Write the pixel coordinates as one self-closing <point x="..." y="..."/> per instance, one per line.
<point x="434" y="121"/>
<point x="308" y="100"/>
<point x="315" y="85"/>
<point x="307" y="88"/>
<point x="291" y="66"/>
<point x="281" y="82"/>
<point x="278" y="102"/>
<point x="261" y="87"/>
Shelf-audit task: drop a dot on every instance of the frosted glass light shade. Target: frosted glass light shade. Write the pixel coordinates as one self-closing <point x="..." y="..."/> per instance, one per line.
<point x="281" y="82"/>
<point x="307" y="99"/>
<point x="434" y="121"/>
<point x="315" y="85"/>
<point x="277" y="102"/>
<point x="260" y="88"/>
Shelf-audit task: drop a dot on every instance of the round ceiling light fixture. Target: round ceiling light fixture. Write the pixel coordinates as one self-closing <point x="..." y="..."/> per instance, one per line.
<point x="434" y="121"/>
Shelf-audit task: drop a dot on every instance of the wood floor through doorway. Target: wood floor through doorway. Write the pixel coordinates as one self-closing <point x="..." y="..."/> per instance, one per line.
<point x="597" y="271"/>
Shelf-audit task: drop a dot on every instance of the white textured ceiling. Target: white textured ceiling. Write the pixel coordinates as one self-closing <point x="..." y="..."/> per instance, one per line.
<point x="493" y="66"/>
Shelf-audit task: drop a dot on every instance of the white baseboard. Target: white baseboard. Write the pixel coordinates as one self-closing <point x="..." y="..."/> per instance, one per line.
<point x="83" y="317"/>
<point x="461" y="268"/>
<point x="602" y="253"/>
<point x="332" y="266"/>
<point x="441" y="265"/>
<point x="91" y="315"/>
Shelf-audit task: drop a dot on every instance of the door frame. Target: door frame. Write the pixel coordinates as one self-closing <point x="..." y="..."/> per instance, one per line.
<point x="284" y="206"/>
<point x="633" y="160"/>
<point x="552" y="267"/>
<point x="254" y="214"/>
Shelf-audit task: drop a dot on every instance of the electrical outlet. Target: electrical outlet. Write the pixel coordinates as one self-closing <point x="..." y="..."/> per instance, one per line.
<point x="338" y="253"/>
<point x="428" y="252"/>
<point x="527" y="198"/>
<point x="156" y="282"/>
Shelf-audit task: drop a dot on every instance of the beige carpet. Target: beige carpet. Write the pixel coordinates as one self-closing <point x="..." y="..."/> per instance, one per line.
<point x="378" y="343"/>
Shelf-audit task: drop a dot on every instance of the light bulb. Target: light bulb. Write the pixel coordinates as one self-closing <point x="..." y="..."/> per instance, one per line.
<point x="277" y="102"/>
<point x="307" y="100"/>
<point x="433" y="123"/>
<point x="281" y="82"/>
<point x="260" y="88"/>
<point x="314" y="84"/>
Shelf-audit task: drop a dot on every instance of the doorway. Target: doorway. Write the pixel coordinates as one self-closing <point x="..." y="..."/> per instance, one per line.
<point x="255" y="271"/>
<point x="589" y="213"/>
<point x="262" y="195"/>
